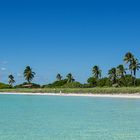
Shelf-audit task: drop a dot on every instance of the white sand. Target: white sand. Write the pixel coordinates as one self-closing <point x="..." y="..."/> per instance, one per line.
<point x="133" y="96"/>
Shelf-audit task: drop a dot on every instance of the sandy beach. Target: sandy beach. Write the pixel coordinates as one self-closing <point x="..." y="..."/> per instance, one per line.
<point x="133" y="96"/>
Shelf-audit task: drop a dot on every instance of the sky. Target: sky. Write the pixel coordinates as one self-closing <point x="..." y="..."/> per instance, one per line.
<point x="66" y="36"/>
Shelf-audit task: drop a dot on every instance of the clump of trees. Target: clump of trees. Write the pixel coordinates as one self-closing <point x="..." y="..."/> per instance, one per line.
<point x="27" y="85"/>
<point x="117" y="76"/>
<point x="28" y="75"/>
<point x="3" y="86"/>
<point x="124" y="75"/>
<point x="68" y="82"/>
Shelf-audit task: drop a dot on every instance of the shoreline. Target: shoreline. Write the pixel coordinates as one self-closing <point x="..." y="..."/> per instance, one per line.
<point x="130" y="96"/>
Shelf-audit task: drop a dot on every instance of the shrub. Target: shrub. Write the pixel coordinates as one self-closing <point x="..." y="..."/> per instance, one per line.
<point x="138" y="82"/>
<point x="56" y="84"/>
<point x="87" y="86"/>
<point x="73" y="85"/>
<point x="3" y="86"/>
<point x="115" y="85"/>
<point x="27" y="85"/>
<point x="92" y="81"/>
<point x="127" y="81"/>
<point x="104" y="82"/>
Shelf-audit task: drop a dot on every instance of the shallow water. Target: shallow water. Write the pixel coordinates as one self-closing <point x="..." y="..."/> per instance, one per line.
<point x="24" y="117"/>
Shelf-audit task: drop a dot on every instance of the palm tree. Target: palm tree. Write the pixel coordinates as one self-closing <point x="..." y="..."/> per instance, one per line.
<point x="128" y="60"/>
<point x="135" y="66"/>
<point x="11" y="80"/>
<point x="113" y="75"/>
<point x="96" y="72"/>
<point x="70" y="78"/>
<point x="121" y="71"/>
<point x="29" y="74"/>
<point x="59" y="77"/>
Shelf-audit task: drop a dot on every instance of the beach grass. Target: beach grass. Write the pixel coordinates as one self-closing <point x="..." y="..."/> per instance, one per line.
<point x="111" y="90"/>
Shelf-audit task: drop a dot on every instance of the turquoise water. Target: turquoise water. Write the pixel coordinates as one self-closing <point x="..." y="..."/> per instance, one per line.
<point x="68" y="118"/>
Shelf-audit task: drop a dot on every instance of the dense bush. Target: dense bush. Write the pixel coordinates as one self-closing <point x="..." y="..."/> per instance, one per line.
<point x="56" y="84"/>
<point x="92" y="82"/>
<point x="138" y="82"/>
<point x="73" y="85"/>
<point x="63" y="84"/>
<point x="104" y="82"/>
<point x="27" y="85"/>
<point x="87" y="86"/>
<point x="3" y="86"/>
<point x="126" y="81"/>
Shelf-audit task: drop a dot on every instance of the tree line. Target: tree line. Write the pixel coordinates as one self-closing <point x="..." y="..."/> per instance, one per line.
<point x="117" y="76"/>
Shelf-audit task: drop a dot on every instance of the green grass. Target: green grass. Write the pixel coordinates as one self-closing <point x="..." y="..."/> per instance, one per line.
<point x="129" y="90"/>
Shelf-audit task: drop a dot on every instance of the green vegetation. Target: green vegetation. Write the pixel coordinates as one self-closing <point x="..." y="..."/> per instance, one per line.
<point x="120" y="79"/>
<point x="59" y="77"/>
<point x="129" y="90"/>
<point x="113" y="75"/>
<point x="70" y="78"/>
<point x="56" y="84"/>
<point x="96" y="72"/>
<point x="27" y="85"/>
<point x="29" y="74"/>
<point x="73" y="85"/>
<point x="11" y="80"/>
<point x="4" y="86"/>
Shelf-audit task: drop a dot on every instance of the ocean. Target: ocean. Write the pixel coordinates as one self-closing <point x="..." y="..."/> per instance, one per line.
<point x="28" y="117"/>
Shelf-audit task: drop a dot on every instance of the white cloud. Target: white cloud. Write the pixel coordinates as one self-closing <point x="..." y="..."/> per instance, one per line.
<point x="3" y="69"/>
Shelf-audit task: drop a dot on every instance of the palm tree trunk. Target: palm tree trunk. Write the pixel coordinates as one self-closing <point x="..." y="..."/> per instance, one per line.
<point x="133" y="82"/>
<point x="134" y="77"/>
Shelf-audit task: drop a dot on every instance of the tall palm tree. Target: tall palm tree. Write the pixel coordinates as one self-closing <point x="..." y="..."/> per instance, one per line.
<point x="29" y="74"/>
<point x="96" y="72"/>
<point x="70" y="78"/>
<point x="11" y="80"/>
<point x="59" y="77"/>
<point x="113" y="75"/>
<point x="135" y="66"/>
<point x="128" y="60"/>
<point x="121" y="71"/>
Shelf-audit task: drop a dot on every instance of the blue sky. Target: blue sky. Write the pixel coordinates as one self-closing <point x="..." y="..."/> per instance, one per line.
<point x="66" y="36"/>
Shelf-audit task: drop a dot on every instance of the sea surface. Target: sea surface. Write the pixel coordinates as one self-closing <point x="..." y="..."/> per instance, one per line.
<point x="26" y="117"/>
